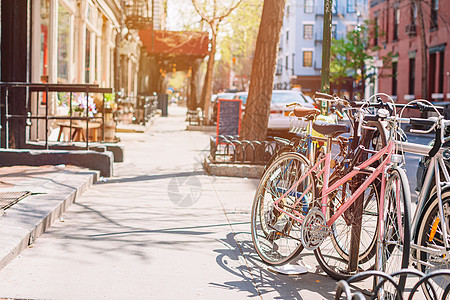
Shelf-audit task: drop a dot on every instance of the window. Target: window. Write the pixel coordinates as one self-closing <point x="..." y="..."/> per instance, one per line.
<point x="287" y="36"/>
<point x="278" y="70"/>
<point x="351" y="6"/>
<point x="334" y="7"/>
<point x="307" y="58"/>
<point x="413" y="13"/>
<point x="308" y="32"/>
<point x="333" y="31"/>
<point x="394" y="78"/>
<point x="87" y="59"/>
<point x="441" y="72"/>
<point x="434" y="14"/>
<point x="309" y="6"/>
<point x="43" y="64"/>
<point x="375" y="36"/>
<point x="287" y="62"/>
<point x="63" y="44"/>
<point x="412" y="75"/>
<point x="396" y="23"/>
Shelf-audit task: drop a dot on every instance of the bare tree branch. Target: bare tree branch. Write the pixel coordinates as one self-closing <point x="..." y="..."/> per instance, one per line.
<point x="202" y="14"/>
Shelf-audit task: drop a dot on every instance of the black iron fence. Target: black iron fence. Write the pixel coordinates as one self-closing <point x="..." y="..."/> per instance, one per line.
<point x="229" y="149"/>
<point x="36" y="108"/>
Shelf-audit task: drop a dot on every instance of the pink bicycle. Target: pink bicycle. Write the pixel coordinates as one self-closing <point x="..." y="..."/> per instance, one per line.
<point x="352" y="210"/>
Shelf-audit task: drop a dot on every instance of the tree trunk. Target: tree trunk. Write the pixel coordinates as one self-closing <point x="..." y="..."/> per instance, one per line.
<point x="256" y="117"/>
<point x="206" y="95"/>
<point x="192" y="102"/>
<point x="423" y="50"/>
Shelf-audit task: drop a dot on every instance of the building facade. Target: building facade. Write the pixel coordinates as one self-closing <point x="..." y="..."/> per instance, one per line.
<point x="73" y="41"/>
<point x="299" y="60"/>
<point x="420" y="67"/>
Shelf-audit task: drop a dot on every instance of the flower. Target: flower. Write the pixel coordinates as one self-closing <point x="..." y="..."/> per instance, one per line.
<point x="80" y="104"/>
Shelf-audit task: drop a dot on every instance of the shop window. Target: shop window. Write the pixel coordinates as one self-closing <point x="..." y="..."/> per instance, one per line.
<point x="63" y="44"/>
<point x="394" y="79"/>
<point x="111" y="68"/>
<point x="96" y="71"/>
<point x="309" y="6"/>
<point x="87" y="60"/>
<point x="375" y="36"/>
<point x="441" y="72"/>
<point x="307" y="58"/>
<point x="43" y="64"/>
<point x="412" y="75"/>
<point x="308" y="32"/>
<point x="432" y="73"/>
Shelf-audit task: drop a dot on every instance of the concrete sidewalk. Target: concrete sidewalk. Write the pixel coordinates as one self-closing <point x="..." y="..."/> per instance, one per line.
<point x="159" y="229"/>
<point x="50" y="189"/>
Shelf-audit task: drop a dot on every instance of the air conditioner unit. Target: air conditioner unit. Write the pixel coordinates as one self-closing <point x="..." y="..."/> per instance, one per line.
<point x="410" y="29"/>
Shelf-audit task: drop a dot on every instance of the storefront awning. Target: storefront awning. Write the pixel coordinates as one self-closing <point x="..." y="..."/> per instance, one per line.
<point x="186" y="43"/>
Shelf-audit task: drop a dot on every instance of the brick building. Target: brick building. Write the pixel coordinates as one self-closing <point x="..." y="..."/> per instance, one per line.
<point x="399" y="31"/>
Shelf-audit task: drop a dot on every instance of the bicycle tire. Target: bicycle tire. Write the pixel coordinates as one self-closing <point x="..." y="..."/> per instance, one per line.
<point x="395" y="244"/>
<point x="425" y="226"/>
<point x="333" y="254"/>
<point x="275" y="235"/>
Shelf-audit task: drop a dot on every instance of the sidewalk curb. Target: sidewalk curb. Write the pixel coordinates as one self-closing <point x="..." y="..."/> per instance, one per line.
<point x="23" y="223"/>
<point x="201" y="128"/>
<point x="233" y="170"/>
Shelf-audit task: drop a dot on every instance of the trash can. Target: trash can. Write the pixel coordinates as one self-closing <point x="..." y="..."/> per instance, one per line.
<point x="163" y="104"/>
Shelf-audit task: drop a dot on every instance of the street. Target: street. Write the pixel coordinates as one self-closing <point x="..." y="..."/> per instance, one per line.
<point x="160" y="229"/>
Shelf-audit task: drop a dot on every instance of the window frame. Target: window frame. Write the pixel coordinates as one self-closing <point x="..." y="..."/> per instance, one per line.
<point x="304" y="52"/>
<point x="311" y="33"/>
<point x="308" y="6"/>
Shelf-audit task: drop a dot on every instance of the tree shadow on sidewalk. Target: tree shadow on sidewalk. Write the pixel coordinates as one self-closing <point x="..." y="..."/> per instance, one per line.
<point x="239" y="258"/>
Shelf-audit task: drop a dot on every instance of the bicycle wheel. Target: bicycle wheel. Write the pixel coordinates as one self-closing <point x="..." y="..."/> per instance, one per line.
<point x="395" y="241"/>
<point x="276" y="236"/>
<point x="333" y="254"/>
<point x="430" y="235"/>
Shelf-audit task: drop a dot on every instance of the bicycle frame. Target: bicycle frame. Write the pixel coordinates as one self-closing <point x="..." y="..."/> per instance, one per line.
<point x="387" y="150"/>
<point x="435" y="168"/>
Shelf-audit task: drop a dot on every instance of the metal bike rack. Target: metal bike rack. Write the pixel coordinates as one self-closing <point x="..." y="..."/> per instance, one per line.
<point x="343" y="290"/>
<point x="229" y="149"/>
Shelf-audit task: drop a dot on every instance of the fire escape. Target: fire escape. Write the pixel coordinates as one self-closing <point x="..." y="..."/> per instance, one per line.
<point x="138" y="14"/>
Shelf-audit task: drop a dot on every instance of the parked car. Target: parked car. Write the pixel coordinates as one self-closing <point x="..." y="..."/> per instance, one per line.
<point x="242" y="96"/>
<point x="279" y="119"/>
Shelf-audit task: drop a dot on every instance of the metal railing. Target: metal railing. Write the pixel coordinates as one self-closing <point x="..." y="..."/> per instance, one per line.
<point x="146" y="106"/>
<point x="32" y="89"/>
<point x="136" y="109"/>
<point x="230" y="150"/>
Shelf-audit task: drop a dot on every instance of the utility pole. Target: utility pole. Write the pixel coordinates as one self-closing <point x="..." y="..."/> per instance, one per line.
<point x="326" y="52"/>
